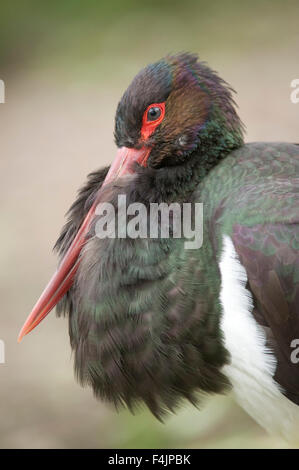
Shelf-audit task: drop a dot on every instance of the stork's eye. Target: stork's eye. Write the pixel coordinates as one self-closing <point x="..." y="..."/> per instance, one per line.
<point x="153" y="113"/>
<point x="152" y="117"/>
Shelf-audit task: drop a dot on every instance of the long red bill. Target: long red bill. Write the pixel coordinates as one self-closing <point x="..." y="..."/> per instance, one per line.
<point x="63" y="278"/>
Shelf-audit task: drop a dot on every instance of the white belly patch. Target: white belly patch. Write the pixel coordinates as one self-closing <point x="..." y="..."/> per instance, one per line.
<point x="252" y="364"/>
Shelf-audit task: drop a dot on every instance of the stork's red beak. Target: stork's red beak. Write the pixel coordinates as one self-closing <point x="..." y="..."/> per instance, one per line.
<point x="63" y="278"/>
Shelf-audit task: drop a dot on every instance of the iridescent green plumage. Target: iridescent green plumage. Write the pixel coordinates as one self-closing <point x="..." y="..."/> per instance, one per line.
<point x="254" y="196"/>
<point x="145" y="314"/>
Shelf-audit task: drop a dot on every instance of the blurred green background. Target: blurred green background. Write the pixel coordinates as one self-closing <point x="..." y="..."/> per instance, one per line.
<point x="65" y="65"/>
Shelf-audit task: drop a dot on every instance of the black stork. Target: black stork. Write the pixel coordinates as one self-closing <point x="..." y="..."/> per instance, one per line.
<point x="152" y="321"/>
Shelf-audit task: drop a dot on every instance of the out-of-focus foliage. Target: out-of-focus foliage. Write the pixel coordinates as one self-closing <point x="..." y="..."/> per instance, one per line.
<point x="76" y="31"/>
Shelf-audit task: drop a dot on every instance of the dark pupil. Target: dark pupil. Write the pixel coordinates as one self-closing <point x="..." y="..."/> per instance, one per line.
<point x="153" y="113"/>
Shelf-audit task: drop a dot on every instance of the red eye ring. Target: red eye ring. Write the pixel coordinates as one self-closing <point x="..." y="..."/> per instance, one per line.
<point x="148" y="127"/>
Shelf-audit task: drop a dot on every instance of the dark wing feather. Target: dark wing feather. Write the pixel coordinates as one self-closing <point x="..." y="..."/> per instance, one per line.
<point x="76" y="214"/>
<point x="270" y="255"/>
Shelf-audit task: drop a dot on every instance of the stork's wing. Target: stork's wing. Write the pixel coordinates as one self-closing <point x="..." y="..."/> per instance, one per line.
<point x="270" y="255"/>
